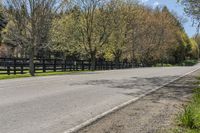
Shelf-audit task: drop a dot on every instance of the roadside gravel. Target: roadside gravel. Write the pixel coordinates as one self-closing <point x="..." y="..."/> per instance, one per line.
<point x="154" y="113"/>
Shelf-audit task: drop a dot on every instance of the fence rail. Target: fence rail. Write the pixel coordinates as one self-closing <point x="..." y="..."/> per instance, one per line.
<point x="21" y="65"/>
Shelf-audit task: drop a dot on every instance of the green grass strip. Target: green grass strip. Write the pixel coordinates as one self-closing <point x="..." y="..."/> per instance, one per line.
<point x="189" y="119"/>
<point x="12" y="76"/>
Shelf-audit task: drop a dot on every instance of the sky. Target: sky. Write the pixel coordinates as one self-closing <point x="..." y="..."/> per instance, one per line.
<point x="175" y="7"/>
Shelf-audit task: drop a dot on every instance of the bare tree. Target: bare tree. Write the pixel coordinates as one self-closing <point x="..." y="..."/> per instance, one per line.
<point x="33" y="20"/>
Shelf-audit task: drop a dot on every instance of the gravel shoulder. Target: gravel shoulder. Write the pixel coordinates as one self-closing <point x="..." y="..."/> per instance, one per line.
<point x="154" y="113"/>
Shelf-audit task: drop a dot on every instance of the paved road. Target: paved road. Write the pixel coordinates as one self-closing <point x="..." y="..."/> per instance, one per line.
<point x="56" y="103"/>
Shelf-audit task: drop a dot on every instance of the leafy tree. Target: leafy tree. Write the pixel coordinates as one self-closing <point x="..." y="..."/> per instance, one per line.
<point x="94" y="26"/>
<point x="64" y="35"/>
<point x="197" y="40"/>
<point x="3" y="21"/>
<point x="194" y="53"/>
<point x="192" y="8"/>
<point x="116" y="30"/>
<point x="118" y="38"/>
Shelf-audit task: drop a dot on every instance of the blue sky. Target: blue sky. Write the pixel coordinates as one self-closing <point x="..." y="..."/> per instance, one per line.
<point x="176" y="7"/>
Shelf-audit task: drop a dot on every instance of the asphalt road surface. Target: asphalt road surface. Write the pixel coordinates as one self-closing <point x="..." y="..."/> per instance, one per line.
<point x="55" y="104"/>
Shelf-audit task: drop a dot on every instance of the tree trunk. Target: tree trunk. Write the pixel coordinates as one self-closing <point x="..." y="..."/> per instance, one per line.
<point x="93" y="61"/>
<point x="133" y="60"/>
<point x="133" y="63"/>
<point x="117" y="61"/>
<point x="31" y="61"/>
<point x="118" y="55"/>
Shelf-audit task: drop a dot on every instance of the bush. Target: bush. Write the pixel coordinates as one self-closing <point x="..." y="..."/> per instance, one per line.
<point x="184" y="63"/>
<point x="190" y="117"/>
<point x="187" y="118"/>
<point x="163" y="65"/>
<point x="189" y="63"/>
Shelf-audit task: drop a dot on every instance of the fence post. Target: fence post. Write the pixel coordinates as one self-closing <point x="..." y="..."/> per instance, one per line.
<point x="14" y="67"/>
<point x="54" y="66"/>
<point x="89" y="65"/>
<point x="43" y="65"/>
<point x="23" y="65"/>
<point x="34" y="67"/>
<point x="74" y="65"/>
<point x="62" y="65"/>
<point x="82" y="65"/>
<point x="77" y="63"/>
<point x="96" y="65"/>
<point x="8" y="70"/>
<point x="70" y="65"/>
<point x="111" y="64"/>
<point x="65" y="65"/>
<point x="102" y="65"/>
<point x="22" y="69"/>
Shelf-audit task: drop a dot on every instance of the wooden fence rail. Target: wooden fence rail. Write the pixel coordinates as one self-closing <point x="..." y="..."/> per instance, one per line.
<point x="21" y="65"/>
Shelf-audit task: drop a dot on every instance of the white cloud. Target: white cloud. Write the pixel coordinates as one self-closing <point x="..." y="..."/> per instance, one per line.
<point x="155" y="4"/>
<point x="144" y="1"/>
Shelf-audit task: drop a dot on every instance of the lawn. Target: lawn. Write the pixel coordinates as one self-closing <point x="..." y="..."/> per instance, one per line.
<point x="12" y="76"/>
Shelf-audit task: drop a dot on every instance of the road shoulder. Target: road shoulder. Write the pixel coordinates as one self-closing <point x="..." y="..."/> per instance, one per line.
<point x="154" y="113"/>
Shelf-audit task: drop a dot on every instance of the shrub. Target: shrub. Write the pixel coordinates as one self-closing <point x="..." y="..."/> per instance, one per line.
<point x="189" y="63"/>
<point x="190" y="117"/>
<point x="163" y="65"/>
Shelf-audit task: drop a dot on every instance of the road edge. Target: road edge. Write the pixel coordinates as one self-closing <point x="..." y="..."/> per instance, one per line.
<point x="116" y="108"/>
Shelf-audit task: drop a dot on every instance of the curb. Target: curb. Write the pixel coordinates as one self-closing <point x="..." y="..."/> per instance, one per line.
<point x="100" y="116"/>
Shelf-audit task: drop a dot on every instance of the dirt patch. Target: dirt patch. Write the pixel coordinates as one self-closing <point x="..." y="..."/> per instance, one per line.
<point x="154" y="113"/>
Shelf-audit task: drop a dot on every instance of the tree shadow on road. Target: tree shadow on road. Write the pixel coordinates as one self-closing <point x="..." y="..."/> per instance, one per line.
<point x="178" y="90"/>
<point x="136" y="86"/>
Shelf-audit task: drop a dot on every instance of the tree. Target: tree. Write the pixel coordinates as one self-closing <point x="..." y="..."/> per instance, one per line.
<point x="192" y="8"/>
<point x="117" y="40"/>
<point x="11" y="36"/>
<point x="94" y="26"/>
<point x="115" y="29"/>
<point x="197" y="40"/>
<point x="64" y="36"/>
<point x="3" y="21"/>
<point x="33" y="20"/>
<point x="194" y="53"/>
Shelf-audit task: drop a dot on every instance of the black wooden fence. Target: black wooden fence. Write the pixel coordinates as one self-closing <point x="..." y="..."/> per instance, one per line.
<point x="21" y="65"/>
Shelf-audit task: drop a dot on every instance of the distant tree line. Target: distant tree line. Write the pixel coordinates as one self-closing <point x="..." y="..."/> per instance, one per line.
<point x="112" y="30"/>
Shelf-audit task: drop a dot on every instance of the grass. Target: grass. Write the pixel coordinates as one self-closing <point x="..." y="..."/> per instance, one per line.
<point x="189" y="63"/>
<point x="184" y="63"/>
<point x="4" y="76"/>
<point x="163" y="65"/>
<point x="12" y="76"/>
<point x="189" y="119"/>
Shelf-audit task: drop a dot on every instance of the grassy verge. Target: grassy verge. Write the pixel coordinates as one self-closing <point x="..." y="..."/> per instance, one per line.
<point x="189" y="119"/>
<point x="188" y="63"/>
<point x="4" y="76"/>
<point x="184" y="63"/>
<point x="163" y="65"/>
